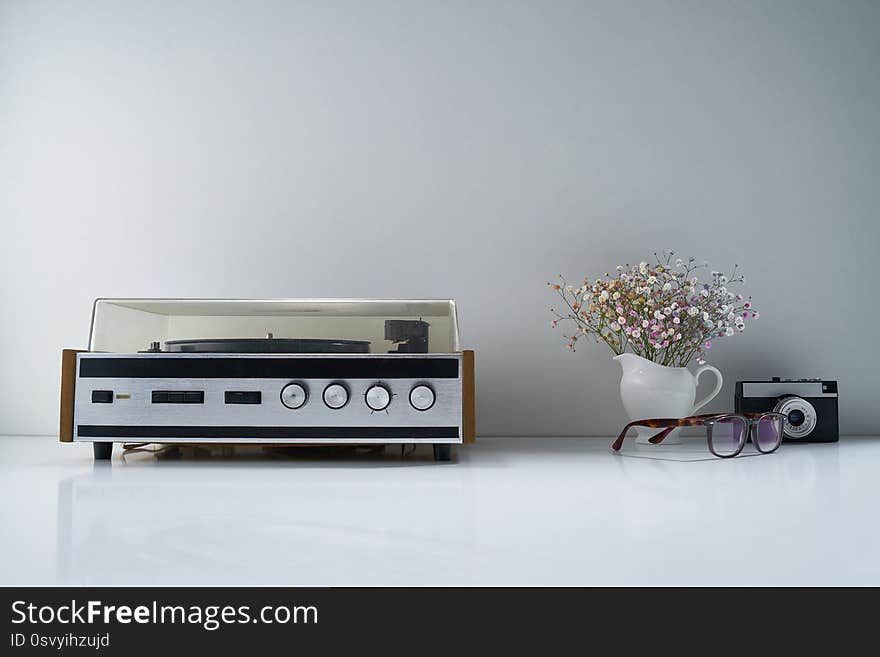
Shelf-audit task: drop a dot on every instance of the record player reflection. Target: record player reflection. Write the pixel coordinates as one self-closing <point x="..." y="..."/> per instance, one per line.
<point x="146" y="521"/>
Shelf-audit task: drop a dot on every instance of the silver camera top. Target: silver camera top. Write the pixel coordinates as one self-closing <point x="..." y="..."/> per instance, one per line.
<point x="779" y="387"/>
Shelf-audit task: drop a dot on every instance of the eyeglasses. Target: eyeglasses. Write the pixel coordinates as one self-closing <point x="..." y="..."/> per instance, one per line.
<point x="727" y="433"/>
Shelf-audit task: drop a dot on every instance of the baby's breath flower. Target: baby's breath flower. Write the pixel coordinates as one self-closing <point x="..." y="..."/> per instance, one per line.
<point x="662" y="311"/>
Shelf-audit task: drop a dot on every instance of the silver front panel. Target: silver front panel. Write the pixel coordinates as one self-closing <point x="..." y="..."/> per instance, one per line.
<point x="138" y="410"/>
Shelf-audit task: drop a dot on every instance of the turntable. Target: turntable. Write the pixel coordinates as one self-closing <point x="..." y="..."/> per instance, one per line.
<point x="270" y="372"/>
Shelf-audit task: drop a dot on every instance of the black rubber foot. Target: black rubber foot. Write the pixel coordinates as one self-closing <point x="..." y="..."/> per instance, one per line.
<point x="442" y="452"/>
<point x="103" y="451"/>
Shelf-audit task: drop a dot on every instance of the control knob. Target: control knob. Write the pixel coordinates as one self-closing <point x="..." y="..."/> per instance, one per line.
<point x="421" y="397"/>
<point x="377" y="397"/>
<point x="335" y="396"/>
<point x="293" y="396"/>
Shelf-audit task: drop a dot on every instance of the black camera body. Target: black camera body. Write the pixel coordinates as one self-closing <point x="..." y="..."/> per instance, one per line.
<point x="809" y="406"/>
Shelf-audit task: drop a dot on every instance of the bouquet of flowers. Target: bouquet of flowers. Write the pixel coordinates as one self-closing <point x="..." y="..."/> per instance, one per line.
<point x="662" y="312"/>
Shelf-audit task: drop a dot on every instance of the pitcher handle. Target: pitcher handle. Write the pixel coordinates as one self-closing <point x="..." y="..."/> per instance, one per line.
<point x="711" y="395"/>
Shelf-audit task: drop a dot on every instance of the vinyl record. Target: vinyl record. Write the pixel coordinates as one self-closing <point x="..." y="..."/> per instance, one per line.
<point x="268" y="346"/>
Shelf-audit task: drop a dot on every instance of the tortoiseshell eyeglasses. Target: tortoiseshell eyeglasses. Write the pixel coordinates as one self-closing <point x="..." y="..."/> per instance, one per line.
<point x="727" y="433"/>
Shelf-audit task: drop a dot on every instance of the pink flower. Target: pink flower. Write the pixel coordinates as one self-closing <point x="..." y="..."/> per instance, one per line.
<point x="754" y="315"/>
<point x="666" y="343"/>
<point x="708" y="344"/>
<point x="621" y="320"/>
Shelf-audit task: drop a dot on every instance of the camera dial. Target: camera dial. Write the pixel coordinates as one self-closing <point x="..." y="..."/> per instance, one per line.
<point x="800" y="416"/>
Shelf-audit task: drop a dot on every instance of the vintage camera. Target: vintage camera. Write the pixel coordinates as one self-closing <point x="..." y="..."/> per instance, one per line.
<point x="809" y="406"/>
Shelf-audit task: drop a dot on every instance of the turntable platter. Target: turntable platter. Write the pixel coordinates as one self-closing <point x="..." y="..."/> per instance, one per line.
<point x="268" y="346"/>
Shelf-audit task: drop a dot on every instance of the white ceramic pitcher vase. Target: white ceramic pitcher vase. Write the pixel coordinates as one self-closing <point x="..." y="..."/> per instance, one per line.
<point x="649" y="390"/>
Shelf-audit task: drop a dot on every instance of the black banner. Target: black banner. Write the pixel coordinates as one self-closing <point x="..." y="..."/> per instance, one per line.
<point x="264" y="620"/>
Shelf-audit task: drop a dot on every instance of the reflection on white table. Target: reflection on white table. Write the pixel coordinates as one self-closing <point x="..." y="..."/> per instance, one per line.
<point x="508" y="511"/>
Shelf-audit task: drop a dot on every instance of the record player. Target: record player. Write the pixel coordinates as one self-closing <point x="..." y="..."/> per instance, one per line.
<point x="270" y="372"/>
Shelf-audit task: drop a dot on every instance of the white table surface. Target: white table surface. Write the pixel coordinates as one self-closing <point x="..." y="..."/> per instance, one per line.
<point x="556" y="511"/>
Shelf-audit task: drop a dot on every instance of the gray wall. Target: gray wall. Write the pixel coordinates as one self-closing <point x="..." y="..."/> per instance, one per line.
<point x="472" y="150"/>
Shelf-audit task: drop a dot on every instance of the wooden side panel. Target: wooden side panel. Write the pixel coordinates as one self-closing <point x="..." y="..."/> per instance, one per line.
<point x="468" y="397"/>
<point x="68" y="384"/>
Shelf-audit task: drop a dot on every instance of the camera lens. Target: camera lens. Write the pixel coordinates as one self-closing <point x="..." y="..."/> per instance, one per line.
<point x="800" y="416"/>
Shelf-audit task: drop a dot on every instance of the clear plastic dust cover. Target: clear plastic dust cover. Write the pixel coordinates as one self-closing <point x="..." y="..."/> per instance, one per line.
<point x="274" y="326"/>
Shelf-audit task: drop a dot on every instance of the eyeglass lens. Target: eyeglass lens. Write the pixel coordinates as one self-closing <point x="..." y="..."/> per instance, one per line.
<point x="768" y="433"/>
<point x="727" y="435"/>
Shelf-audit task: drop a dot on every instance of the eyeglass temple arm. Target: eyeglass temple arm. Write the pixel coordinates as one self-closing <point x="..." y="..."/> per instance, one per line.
<point x="658" y="438"/>
<point x="669" y="423"/>
<point x="692" y="421"/>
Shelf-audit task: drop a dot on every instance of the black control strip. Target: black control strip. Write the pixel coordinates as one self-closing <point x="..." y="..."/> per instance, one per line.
<point x="270" y="368"/>
<point x="110" y="431"/>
